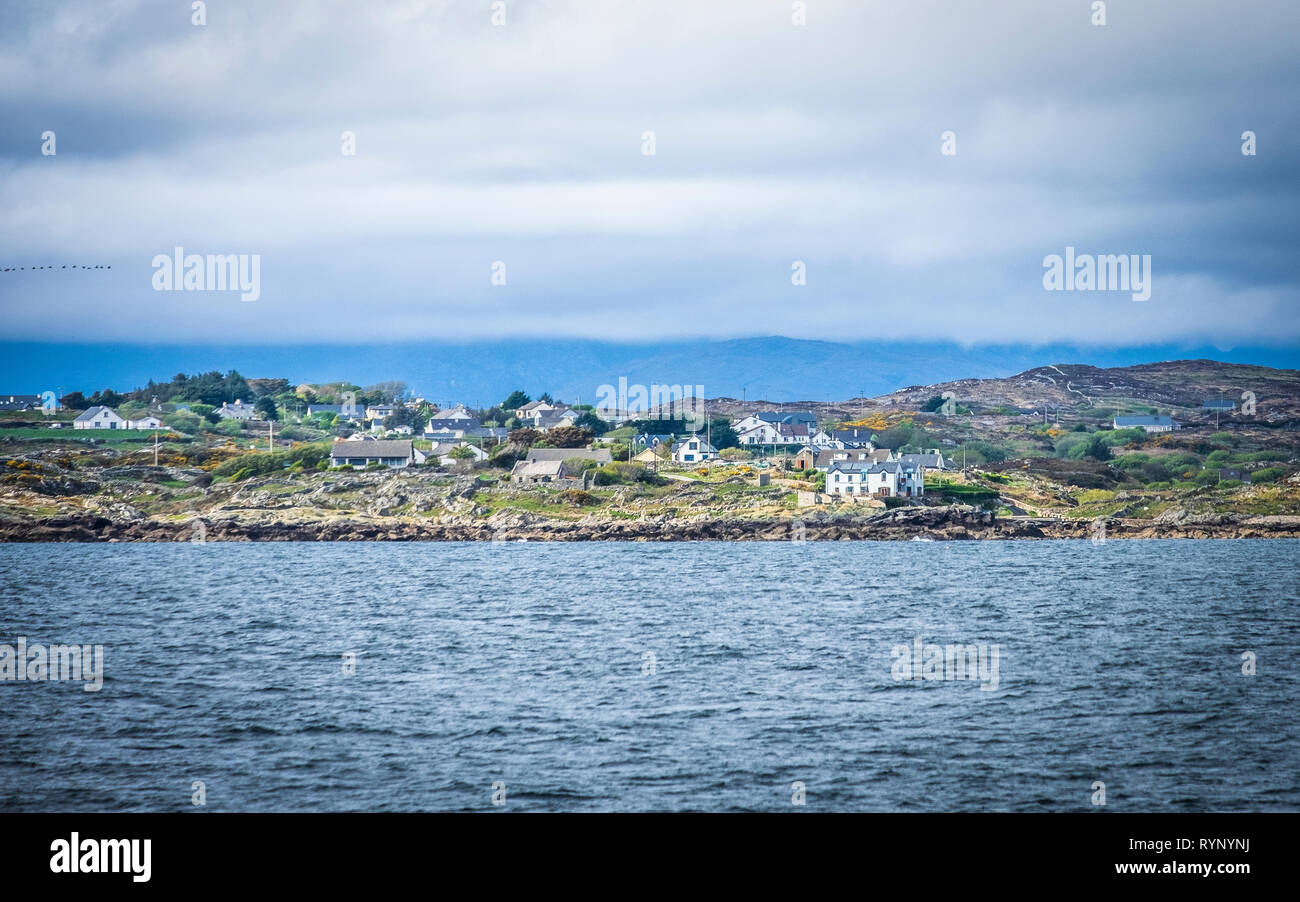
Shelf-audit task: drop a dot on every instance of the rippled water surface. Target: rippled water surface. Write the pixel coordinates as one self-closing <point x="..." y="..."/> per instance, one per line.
<point x="529" y="664"/>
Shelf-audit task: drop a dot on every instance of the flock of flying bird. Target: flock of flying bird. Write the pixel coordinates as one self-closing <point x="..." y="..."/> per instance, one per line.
<point x="65" y="266"/>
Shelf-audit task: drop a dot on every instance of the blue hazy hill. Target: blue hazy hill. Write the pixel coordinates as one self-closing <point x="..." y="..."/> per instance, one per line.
<point x="481" y="373"/>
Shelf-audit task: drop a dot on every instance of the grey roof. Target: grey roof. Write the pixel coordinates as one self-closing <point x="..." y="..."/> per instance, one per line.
<point x="538" y="468"/>
<point x="92" y="413"/>
<point x="934" y="461"/>
<point x="1144" y="421"/>
<point x="1219" y="405"/>
<point x="555" y="417"/>
<point x="851" y="435"/>
<point x="826" y="455"/>
<point x="776" y="416"/>
<point x="378" y="448"/>
<point x="600" y="455"/>
<point x="439" y="423"/>
<point x="862" y="466"/>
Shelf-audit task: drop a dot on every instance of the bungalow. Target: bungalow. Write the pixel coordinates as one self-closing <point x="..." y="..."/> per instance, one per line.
<point x="648" y="456"/>
<point x="693" y="449"/>
<point x="396" y="453"/>
<point x="237" y="411"/>
<point x="931" y="460"/>
<point x="599" y="455"/>
<point x="353" y="413"/>
<point x="1236" y="473"/>
<point x="145" y="422"/>
<point x="536" y="472"/>
<point x="442" y="453"/>
<point x="457" y="413"/>
<point x="380" y="412"/>
<point x="99" y="418"/>
<point x="462" y="425"/>
<point x="1150" y="424"/>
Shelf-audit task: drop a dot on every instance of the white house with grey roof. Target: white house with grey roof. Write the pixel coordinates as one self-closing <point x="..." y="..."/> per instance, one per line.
<point x="693" y="449"/>
<point x="236" y="411"/>
<point x="99" y="418"/>
<point x="355" y="453"/>
<point x="1150" y="424"/>
<point x="888" y="479"/>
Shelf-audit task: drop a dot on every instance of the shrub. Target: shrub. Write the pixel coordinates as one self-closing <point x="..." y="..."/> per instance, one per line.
<point x="576" y="498"/>
<point x="1155" y="471"/>
<point x="1267" y="474"/>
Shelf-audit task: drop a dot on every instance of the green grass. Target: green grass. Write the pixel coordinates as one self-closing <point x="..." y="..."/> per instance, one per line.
<point x="116" y="436"/>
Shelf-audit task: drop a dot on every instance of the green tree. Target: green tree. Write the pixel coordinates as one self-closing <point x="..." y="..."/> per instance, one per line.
<point x="516" y="400"/>
<point x="266" y="407"/>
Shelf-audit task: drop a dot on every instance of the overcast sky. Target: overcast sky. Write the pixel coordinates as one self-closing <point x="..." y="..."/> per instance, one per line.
<point x="522" y="143"/>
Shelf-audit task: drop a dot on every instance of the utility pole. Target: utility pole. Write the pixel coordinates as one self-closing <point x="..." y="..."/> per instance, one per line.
<point x="155" y="447"/>
<point x="270" y="435"/>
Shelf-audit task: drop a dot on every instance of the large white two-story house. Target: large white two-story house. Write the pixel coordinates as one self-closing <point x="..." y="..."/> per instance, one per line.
<point x="693" y="449"/>
<point x="888" y="479"/>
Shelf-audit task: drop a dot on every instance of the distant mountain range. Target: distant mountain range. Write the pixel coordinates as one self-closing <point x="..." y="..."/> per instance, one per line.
<point x="1270" y="396"/>
<point x="482" y="373"/>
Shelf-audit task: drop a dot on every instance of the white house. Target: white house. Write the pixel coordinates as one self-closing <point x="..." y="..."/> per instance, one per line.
<point x="757" y="434"/>
<point x="99" y="418"/>
<point x="145" y="422"/>
<point x="237" y="411"/>
<point x="930" y="460"/>
<point x="1150" y="424"/>
<point x="554" y="419"/>
<point x="456" y="413"/>
<point x="442" y="452"/>
<point x="533" y="409"/>
<point x="883" y="480"/>
<point x="397" y="453"/>
<point x="693" y="449"/>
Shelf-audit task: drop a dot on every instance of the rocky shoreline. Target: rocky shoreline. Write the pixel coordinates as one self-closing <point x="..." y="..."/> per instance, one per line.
<point x="955" y="523"/>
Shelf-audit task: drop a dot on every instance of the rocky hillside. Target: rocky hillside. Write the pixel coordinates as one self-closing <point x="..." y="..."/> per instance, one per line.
<point x="1179" y="386"/>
